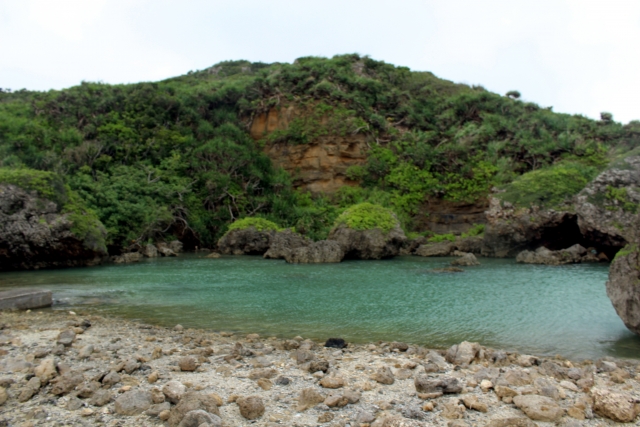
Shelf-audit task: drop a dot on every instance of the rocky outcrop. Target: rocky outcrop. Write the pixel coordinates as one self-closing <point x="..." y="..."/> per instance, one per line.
<point x="623" y="287"/>
<point x="248" y="241"/>
<point x="324" y="251"/>
<point x="35" y="233"/>
<point x="368" y="244"/>
<point x="573" y="255"/>
<point x="608" y="206"/>
<point x="465" y="260"/>
<point x="283" y="242"/>
<point x="318" y="166"/>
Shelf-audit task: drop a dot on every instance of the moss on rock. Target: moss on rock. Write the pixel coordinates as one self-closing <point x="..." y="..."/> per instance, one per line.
<point x="260" y="224"/>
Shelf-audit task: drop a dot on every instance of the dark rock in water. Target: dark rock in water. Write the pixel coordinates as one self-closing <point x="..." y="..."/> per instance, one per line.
<point x="467" y="259"/>
<point x="574" y="254"/>
<point x="324" y="251"/>
<point x="623" y="289"/>
<point x="24" y="299"/>
<point x="335" y="343"/>
<point x="283" y="242"/>
<point x="127" y="258"/>
<point x="34" y="233"/>
<point x="248" y="241"/>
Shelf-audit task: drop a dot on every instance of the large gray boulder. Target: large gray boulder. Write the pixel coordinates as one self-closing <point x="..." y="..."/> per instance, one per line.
<point x="623" y="287"/>
<point x="573" y="255"/>
<point x="608" y="206"/>
<point x="248" y="241"/>
<point x="324" y="251"/>
<point x="35" y="233"/>
<point x="283" y="242"/>
<point x="369" y="244"/>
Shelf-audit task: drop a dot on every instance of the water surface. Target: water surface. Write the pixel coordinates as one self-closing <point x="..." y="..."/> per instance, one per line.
<point x="536" y="309"/>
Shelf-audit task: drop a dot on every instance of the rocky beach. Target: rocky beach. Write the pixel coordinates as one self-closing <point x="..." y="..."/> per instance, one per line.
<point x="60" y="368"/>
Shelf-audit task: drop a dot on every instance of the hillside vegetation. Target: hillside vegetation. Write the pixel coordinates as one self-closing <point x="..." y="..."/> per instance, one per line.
<point x="175" y="157"/>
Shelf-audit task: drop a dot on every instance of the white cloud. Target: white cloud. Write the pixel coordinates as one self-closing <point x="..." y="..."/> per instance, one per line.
<point x="577" y="55"/>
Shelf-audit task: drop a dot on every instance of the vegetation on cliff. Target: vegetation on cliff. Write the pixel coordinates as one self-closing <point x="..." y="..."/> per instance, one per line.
<point x="260" y="224"/>
<point x="367" y="216"/>
<point x="175" y="157"/>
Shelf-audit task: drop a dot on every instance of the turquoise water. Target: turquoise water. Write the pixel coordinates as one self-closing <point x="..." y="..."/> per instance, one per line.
<point x="536" y="309"/>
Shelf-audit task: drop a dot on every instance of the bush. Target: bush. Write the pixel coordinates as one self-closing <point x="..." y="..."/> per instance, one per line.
<point x="475" y="230"/>
<point x="449" y="237"/>
<point x="367" y="216"/>
<point x="549" y="187"/>
<point x="260" y="224"/>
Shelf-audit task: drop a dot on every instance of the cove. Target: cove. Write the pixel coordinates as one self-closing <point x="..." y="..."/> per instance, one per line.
<point x="542" y="310"/>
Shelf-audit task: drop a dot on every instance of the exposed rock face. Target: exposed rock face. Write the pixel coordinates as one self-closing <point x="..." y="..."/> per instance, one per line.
<point x="452" y="217"/>
<point x="369" y="244"/>
<point x="319" y="166"/>
<point x="607" y="221"/>
<point x="467" y="259"/>
<point x="283" y="242"/>
<point x="324" y="251"/>
<point x="34" y="234"/>
<point x="248" y="241"/>
<point x="471" y="245"/>
<point x="510" y="231"/>
<point x="573" y="255"/>
<point x="623" y="287"/>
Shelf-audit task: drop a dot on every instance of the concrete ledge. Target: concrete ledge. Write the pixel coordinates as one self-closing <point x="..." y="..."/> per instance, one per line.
<point x="24" y="299"/>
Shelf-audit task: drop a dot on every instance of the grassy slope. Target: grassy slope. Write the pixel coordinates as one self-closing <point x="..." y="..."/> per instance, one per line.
<point x="175" y="156"/>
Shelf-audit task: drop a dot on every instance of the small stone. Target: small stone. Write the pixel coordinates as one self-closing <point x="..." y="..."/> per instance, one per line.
<point x="188" y="363"/>
<point x="66" y="382"/>
<point x="154" y="410"/>
<point x="251" y="407"/>
<point x="192" y="401"/>
<point x="157" y="396"/>
<point x="332" y="381"/>
<point x="73" y="404"/>
<point x="100" y="398"/>
<point x="505" y="392"/>
<point x="352" y="396"/>
<point x="457" y="423"/>
<point x="86" y="412"/>
<point x="256" y="374"/>
<point x="318" y="365"/>
<point x="308" y="398"/>
<point x="133" y="402"/>
<point x="539" y="408"/>
<point x="619" y="407"/>
<point x="32" y="388"/>
<point x="304" y="356"/>
<point x="336" y="400"/>
<point x="325" y="417"/>
<point x="400" y="346"/>
<point x="253" y="337"/>
<point x="178" y="328"/>
<point x="265" y="384"/>
<point x="383" y="376"/>
<point x="85" y="352"/>
<point x="200" y="417"/>
<point x="153" y="377"/>
<point x="173" y="391"/>
<point x="87" y="389"/>
<point x="111" y="378"/>
<point x="472" y="402"/>
<point x="569" y="386"/>
<point x="46" y="371"/>
<point x="66" y="337"/>
<point x="511" y="422"/>
<point x="164" y="415"/>
<point x="156" y="354"/>
<point x="428" y="406"/>
<point x="335" y="343"/>
<point x="463" y="353"/>
<point x="486" y="385"/>
<point x="4" y="396"/>
<point x="452" y="409"/>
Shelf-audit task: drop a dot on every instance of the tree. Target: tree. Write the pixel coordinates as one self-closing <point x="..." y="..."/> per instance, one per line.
<point x="513" y="94"/>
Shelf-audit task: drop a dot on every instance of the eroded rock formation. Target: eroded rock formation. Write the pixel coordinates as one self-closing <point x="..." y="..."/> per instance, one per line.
<point x="35" y="234"/>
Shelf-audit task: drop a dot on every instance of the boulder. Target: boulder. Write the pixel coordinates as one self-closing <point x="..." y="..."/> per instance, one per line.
<point x="324" y="251"/>
<point x="66" y="382"/>
<point x="176" y="246"/>
<point x="623" y="289"/>
<point x="463" y="353"/>
<point x="127" y="258"/>
<point x="308" y="398"/>
<point x="435" y="249"/>
<point x="149" y="251"/>
<point x="25" y="299"/>
<point x="248" y="241"/>
<point x="283" y="242"/>
<point x="173" y="391"/>
<point x="466" y="260"/>
<point x="36" y="233"/>
<point x="165" y="250"/>
<point x="368" y="244"/>
<point x="572" y="255"/>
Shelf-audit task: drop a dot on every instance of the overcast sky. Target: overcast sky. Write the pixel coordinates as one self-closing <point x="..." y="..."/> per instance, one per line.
<point x="579" y="56"/>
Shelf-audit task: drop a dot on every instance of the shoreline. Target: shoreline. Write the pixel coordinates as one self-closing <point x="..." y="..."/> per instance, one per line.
<point x="375" y="384"/>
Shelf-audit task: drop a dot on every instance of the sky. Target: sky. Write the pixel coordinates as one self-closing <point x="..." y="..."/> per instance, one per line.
<point x="578" y="56"/>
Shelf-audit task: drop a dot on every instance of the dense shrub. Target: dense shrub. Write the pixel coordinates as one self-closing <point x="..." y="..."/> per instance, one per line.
<point x="367" y="216"/>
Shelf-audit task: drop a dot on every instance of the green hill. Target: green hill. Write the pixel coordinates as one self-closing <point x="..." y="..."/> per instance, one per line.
<point x="176" y="157"/>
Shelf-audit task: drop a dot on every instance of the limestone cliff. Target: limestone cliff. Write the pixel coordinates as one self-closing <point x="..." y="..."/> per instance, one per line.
<point x="318" y="166"/>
